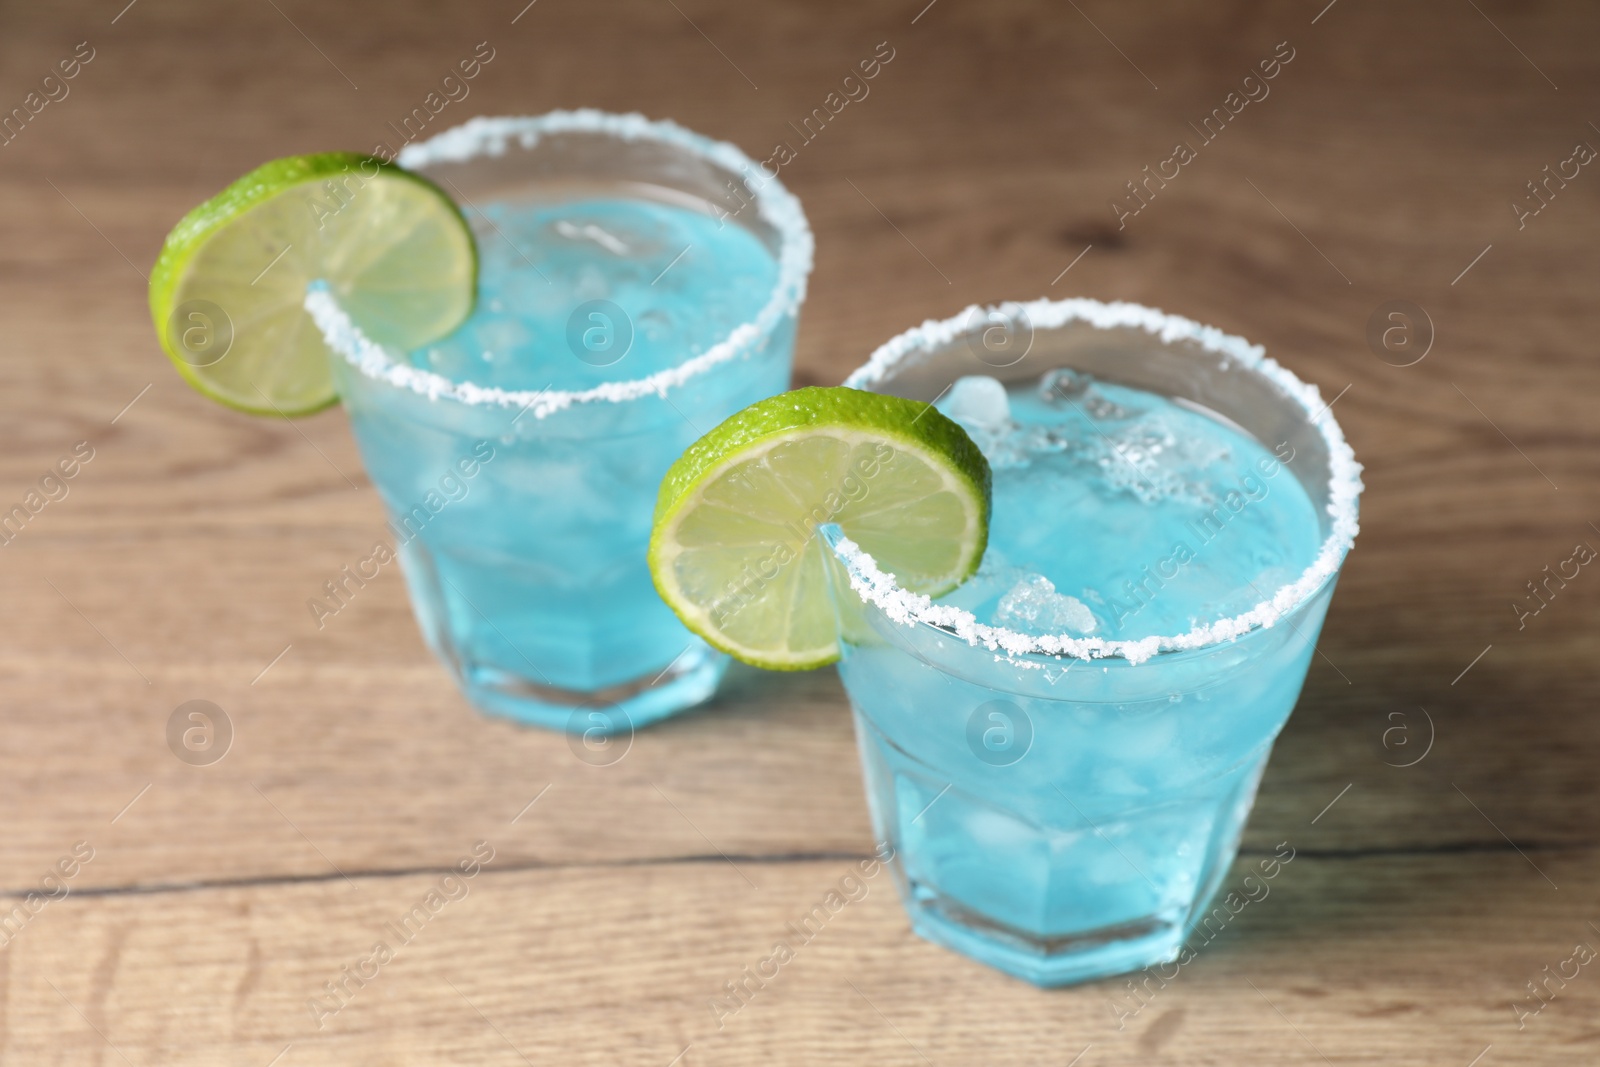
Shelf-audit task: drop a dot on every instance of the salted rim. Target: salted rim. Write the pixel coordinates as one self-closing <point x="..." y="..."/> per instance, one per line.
<point x="1344" y="487"/>
<point x="492" y="136"/>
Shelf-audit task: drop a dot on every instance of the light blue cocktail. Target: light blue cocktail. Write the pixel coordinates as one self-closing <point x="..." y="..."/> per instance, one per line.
<point x="1063" y="751"/>
<point x="638" y="283"/>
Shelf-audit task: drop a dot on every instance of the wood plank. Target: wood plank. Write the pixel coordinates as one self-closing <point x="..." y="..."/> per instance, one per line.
<point x="1342" y="958"/>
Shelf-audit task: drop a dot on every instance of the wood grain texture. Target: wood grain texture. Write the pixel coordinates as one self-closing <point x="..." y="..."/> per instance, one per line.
<point x="1384" y="160"/>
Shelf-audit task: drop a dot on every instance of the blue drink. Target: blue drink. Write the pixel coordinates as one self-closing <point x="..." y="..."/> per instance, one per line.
<point x="1064" y="750"/>
<point x="636" y="287"/>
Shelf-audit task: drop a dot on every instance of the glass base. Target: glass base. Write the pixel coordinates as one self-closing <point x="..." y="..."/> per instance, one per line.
<point x="616" y="710"/>
<point x="1048" y="962"/>
<point x="1001" y="864"/>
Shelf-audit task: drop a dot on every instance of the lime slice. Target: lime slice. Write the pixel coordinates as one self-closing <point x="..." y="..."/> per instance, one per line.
<point x="227" y="290"/>
<point x="734" y="550"/>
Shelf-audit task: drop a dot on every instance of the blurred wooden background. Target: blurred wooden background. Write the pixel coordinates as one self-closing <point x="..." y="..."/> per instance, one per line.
<point x="221" y="899"/>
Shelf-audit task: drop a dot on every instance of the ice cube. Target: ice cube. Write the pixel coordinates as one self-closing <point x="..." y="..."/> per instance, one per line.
<point x="1106" y="410"/>
<point x="1064" y="384"/>
<point x="588" y="231"/>
<point x="1033" y="605"/>
<point x="978" y="400"/>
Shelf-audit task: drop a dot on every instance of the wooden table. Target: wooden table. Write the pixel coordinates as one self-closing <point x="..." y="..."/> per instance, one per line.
<point x="221" y="900"/>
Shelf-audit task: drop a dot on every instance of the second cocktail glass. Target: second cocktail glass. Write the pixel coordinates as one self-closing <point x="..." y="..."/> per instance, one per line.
<point x="1063" y="752"/>
<point x="638" y="284"/>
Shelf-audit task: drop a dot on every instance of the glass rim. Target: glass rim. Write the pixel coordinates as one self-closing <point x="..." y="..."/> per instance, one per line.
<point x="492" y="136"/>
<point x="904" y="607"/>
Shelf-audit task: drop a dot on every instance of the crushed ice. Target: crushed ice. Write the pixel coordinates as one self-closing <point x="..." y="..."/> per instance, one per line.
<point x="980" y="404"/>
<point x="1034" y="606"/>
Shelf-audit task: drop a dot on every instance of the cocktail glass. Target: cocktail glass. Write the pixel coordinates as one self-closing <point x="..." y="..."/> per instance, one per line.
<point x="1066" y="808"/>
<point x="521" y="515"/>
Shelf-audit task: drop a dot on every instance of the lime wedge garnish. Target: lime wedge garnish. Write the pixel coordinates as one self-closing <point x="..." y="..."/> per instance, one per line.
<point x="733" y="551"/>
<point x="227" y="290"/>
